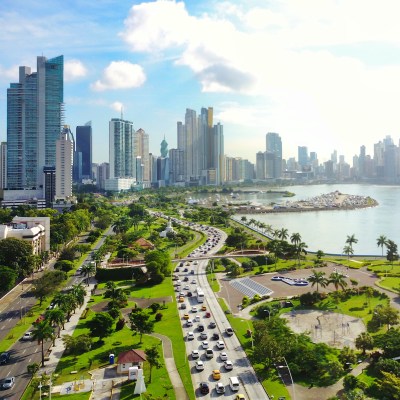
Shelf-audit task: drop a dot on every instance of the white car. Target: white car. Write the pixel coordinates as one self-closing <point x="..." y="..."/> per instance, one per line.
<point x="194" y="309"/>
<point x="199" y="365"/>
<point x="195" y="354"/>
<point x="220" y="345"/>
<point x="193" y="282"/>
<point x="203" y="335"/>
<point x="228" y="365"/>
<point x="189" y="323"/>
<point x="204" y="344"/>
<point x="196" y="318"/>
<point x="220" y="388"/>
<point x="27" y="336"/>
<point x="190" y="336"/>
<point x="8" y="383"/>
<point x="223" y="356"/>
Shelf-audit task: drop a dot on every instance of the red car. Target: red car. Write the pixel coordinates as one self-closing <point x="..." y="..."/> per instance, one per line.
<point x="208" y="314"/>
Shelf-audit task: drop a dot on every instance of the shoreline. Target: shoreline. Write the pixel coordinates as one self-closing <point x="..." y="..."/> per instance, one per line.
<point x="326" y="202"/>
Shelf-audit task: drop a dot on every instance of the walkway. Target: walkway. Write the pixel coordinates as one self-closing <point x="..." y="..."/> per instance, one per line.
<point x="176" y="381"/>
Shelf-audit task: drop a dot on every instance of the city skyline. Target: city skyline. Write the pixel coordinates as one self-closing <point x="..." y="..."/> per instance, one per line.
<point x="322" y="75"/>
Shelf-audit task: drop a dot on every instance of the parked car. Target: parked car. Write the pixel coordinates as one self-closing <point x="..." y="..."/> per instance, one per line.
<point x="199" y="365"/>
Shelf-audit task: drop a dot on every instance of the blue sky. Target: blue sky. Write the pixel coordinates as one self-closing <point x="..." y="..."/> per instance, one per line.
<point x="321" y="73"/>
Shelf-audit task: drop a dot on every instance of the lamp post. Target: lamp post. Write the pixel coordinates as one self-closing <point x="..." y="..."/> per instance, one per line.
<point x="269" y="314"/>
<point x="291" y="378"/>
<point x="40" y="390"/>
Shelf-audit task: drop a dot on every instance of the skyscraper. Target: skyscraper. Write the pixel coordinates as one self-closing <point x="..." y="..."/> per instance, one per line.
<point x="34" y="118"/>
<point x="64" y="157"/>
<point x="302" y="156"/>
<point x="122" y="161"/>
<point x="274" y="148"/>
<point x="3" y="165"/>
<point x="141" y="149"/>
<point x="83" y="155"/>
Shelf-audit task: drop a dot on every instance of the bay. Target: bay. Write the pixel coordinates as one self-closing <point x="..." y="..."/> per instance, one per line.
<point x="328" y="230"/>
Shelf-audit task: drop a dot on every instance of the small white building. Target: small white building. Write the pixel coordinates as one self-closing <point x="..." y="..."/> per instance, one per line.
<point x="168" y="229"/>
<point x="35" y="230"/>
<point x="130" y="358"/>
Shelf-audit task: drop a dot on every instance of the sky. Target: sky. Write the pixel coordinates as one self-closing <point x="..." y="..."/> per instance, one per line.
<point x="322" y="73"/>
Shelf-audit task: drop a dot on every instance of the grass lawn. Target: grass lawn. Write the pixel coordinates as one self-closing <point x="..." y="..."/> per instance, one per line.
<point x="391" y="283"/>
<point x="213" y="281"/>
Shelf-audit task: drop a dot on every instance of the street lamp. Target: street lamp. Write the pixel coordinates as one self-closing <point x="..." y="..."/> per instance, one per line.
<point x="40" y="390"/>
<point x="291" y="378"/>
<point x="269" y="314"/>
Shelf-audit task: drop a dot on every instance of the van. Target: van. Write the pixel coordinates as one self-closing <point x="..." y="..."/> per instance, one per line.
<point x="234" y="383"/>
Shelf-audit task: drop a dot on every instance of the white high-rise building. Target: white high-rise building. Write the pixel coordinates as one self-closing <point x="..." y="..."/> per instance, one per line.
<point x="141" y="149"/>
<point x="64" y="162"/>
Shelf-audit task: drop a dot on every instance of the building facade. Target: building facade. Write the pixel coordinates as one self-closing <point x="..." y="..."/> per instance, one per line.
<point x="64" y="161"/>
<point x="83" y="155"/>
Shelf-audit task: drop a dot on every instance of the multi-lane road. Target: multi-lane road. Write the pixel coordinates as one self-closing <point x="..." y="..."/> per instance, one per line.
<point x="242" y="369"/>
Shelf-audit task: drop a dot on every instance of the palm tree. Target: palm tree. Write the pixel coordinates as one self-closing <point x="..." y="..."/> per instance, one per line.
<point x="295" y="238"/>
<point x="56" y="317"/>
<point x="348" y="250"/>
<point x="283" y="234"/>
<point x="87" y="270"/>
<point x="244" y="219"/>
<point x="78" y="291"/>
<point x="318" y="278"/>
<point x="351" y="239"/>
<point x="381" y="241"/>
<point x="300" y="248"/>
<point x="42" y="331"/>
<point x="338" y="280"/>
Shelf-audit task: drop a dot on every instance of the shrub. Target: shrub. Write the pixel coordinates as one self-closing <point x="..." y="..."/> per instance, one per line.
<point x="114" y="312"/>
<point x="158" y="317"/>
<point x="155" y="307"/>
<point x="120" y="324"/>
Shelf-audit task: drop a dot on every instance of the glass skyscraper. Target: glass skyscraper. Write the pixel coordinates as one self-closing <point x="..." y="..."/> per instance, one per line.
<point x="34" y="119"/>
<point x="83" y="156"/>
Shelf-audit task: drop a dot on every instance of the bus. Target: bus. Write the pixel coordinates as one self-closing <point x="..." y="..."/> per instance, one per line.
<point x="200" y="295"/>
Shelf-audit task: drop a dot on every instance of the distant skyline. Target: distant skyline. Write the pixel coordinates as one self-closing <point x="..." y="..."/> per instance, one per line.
<point x="320" y="73"/>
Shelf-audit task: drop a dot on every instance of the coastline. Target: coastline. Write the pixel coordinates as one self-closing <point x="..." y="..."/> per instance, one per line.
<point x="326" y="202"/>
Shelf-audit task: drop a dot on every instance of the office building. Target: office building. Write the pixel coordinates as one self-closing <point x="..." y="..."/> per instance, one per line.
<point x="141" y="149"/>
<point x="3" y="165"/>
<point x="122" y="161"/>
<point x="64" y="161"/>
<point x="34" y="119"/>
<point x="176" y="166"/>
<point x="302" y="156"/>
<point x="83" y="152"/>
<point x="274" y="150"/>
<point x="49" y="189"/>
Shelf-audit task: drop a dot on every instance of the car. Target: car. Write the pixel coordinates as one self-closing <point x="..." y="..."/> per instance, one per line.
<point x="240" y="397"/>
<point x="195" y="354"/>
<point x="182" y="294"/>
<point x="199" y="365"/>
<point x="209" y="353"/>
<point x="186" y="316"/>
<point x="4" y="357"/>
<point x="215" y="336"/>
<point x="28" y="336"/>
<point x="200" y="327"/>
<point x="220" y="345"/>
<point x="203" y="308"/>
<point x="203" y="336"/>
<point x="190" y="336"/>
<point x="183" y="306"/>
<point x="204" y="344"/>
<point x="196" y="262"/>
<point x="196" y="318"/>
<point x="185" y="270"/>
<point x="189" y="323"/>
<point x="189" y="294"/>
<point x="204" y="388"/>
<point x="207" y="315"/>
<point x="216" y="374"/>
<point x="228" y="365"/>
<point x="8" y="383"/>
<point x="220" y="388"/>
<point x="181" y="299"/>
<point x="212" y="325"/>
<point x="193" y="282"/>
<point x="229" y="331"/>
<point x="186" y="287"/>
<point x="194" y="309"/>
<point x="192" y="271"/>
<point x="185" y="279"/>
<point x="223" y="356"/>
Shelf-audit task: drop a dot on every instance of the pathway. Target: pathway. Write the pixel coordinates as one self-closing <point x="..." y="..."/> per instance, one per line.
<point x="176" y="381"/>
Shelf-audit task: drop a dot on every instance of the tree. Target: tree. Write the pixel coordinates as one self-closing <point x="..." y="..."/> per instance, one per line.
<point x="391" y="252"/>
<point x="350" y="382"/>
<point x="140" y="322"/>
<point x="153" y="358"/>
<point x="47" y="283"/>
<point x="64" y="265"/>
<point x="77" y="344"/>
<point x="101" y="325"/>
<point x="88" y="270"/>
<point x="116" y="294"/>
<point x="42" y="331"/>
<point x="386" y="315"/>
<point x="295" y="238"/>
<point x="348" y="250"/>
<point x="351" y="239"/>
<point x="8" y="277"/>
<point x="300" y="248"/>
<point x="381" y="242"/>
<point x="283" y="234"/>
<point x="56" y="316"/>
<point x="364" y="342"/>
<point x="17" y="254"/>
<point x="389" y="386"/>
<point x="347" y="356"/>
<point x="318" y="278"/>
<point x="338" y="280"/>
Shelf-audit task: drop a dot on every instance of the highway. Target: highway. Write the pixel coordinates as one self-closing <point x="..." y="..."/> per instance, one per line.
<point x="249" y="385"/>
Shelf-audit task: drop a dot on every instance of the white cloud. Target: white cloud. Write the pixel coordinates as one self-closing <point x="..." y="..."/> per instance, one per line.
<point x="74" y="69"/>
<point x="120" y="75"/>
<point x="117" y="106"/>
